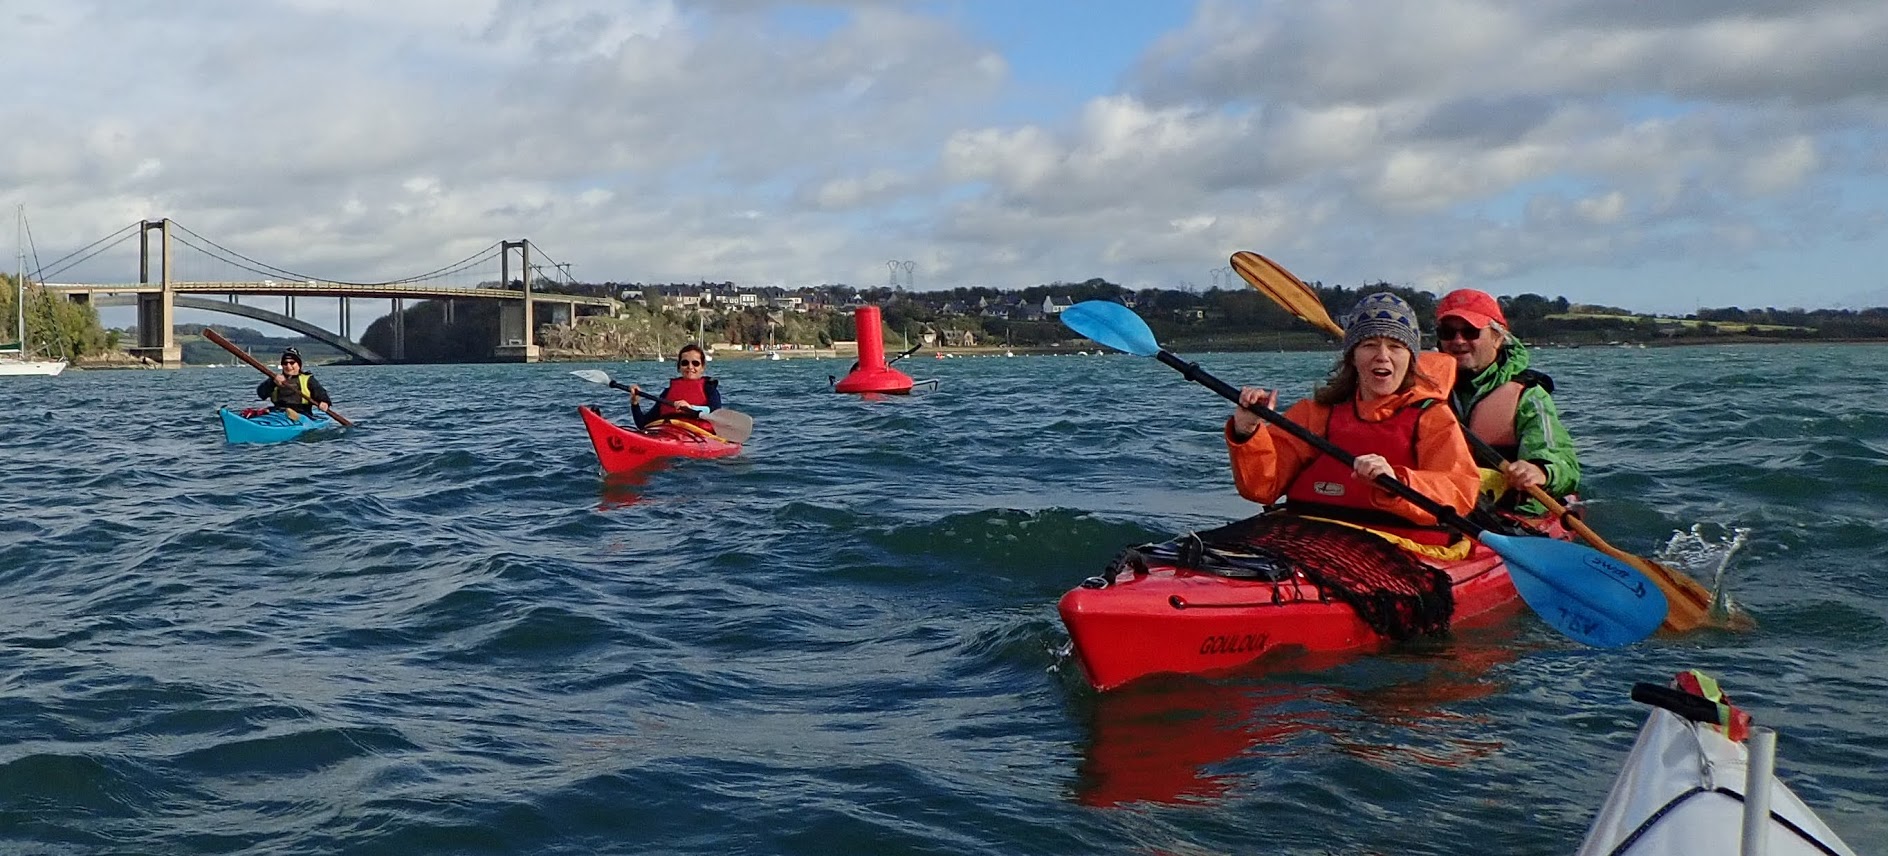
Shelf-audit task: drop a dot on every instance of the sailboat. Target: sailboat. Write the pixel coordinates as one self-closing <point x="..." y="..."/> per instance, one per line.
<point x="13" y="360"/>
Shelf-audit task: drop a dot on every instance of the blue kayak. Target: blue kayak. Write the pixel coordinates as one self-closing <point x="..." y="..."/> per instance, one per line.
<point x="271" y="427"/>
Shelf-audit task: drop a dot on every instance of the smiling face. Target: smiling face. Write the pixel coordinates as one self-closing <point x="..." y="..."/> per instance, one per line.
<point x="1381" y="365"/>
<point x="690" y="363"/>
<point x="1471" y="355"/>
<point x="291" y="366"/>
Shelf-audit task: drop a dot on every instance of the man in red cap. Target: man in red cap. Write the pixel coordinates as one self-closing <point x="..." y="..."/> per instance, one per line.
<point x="1503" y="401"/>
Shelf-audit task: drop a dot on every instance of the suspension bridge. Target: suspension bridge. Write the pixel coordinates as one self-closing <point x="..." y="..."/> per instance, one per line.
<point x="210" y="277"/>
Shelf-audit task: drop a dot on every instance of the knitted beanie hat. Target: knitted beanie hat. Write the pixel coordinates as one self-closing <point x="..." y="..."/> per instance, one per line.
<point x="1382" y="315"/>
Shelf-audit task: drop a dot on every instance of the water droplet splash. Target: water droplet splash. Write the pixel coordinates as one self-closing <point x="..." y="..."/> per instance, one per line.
<point x="1705" y="552"/>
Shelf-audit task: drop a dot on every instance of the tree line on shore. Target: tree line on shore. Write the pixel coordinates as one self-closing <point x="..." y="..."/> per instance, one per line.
<point x="1222" y="318"/>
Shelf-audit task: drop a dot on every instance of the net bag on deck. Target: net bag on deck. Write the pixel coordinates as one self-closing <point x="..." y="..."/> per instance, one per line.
<point x="1393" y="592"/>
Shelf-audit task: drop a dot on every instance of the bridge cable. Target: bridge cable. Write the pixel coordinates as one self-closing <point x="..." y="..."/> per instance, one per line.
<point x="288" y="274"/>
<point x="40" y="272"/>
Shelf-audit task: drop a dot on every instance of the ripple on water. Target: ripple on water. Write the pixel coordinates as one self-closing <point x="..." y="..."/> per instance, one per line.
<point x="444" y="632"/>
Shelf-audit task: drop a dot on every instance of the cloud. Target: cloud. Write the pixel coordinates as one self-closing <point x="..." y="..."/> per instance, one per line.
<point x="1455" y="142"/>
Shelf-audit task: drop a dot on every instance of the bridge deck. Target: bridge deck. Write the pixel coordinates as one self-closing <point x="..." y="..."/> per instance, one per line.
<point x="324" y="289"/>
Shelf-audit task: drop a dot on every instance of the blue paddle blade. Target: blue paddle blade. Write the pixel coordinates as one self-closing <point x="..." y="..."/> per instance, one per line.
<point x="1113" y="325"/>
<point x="1582" y="592"/>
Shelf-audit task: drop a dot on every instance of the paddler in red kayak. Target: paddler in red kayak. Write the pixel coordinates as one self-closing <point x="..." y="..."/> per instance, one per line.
<point x="1378" y="407"/>
<point x="678" y="402"/>
<point x="1506" y="403"/>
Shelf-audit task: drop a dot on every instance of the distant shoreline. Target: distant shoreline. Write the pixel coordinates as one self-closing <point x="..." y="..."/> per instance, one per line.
<point x="119" y="360"/>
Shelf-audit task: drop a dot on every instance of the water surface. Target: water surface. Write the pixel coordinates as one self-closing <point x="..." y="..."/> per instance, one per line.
<point x="444" y="632"/>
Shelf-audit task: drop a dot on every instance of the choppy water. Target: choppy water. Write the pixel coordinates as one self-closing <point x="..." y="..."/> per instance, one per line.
<point x="443" y="632"/>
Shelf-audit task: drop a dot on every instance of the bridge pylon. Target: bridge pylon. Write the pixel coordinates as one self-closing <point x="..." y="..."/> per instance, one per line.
<point x="517" y="332"/>
<point x="157" y="310"/>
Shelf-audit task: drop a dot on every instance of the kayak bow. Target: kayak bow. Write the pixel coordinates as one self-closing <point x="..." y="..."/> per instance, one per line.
<point x="1688" y="788"/>
<point x="271" y="427"/>
<point x="622" y="450"/>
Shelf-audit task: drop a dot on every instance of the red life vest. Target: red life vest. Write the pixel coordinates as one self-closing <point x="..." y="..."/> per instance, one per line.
<point x="1328" y="488"/>
<point x="691" y="390"/>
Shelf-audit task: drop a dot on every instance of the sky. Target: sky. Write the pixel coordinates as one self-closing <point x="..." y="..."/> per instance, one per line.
<point x="1654" y="156"/>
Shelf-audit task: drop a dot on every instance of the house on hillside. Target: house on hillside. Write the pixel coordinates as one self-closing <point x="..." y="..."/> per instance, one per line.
<point x="1054" y="304"/>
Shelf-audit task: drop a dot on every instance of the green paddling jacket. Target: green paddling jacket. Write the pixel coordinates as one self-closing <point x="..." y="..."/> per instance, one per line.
<point x="1533" y="434"/>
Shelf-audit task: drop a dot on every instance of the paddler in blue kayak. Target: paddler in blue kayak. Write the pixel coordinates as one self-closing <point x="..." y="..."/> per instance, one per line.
<point x="292" y="389"/>
<point x="1377" y="406"/>
<point x="692" y="393"/>
<point x="1504" y="402"/>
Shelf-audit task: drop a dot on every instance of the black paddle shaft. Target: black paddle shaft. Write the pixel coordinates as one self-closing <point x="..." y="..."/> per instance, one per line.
<point x="1446" y="515"/>
<point x="649" y="395"/>
<point x="908" y="352"/>
<point x="1694" y="708"/>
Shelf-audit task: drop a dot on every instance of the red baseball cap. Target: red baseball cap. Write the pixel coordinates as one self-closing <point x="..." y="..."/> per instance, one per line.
<point x="1476" y="307"/>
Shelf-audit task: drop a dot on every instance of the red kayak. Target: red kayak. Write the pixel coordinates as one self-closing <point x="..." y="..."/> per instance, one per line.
<point x="1212" y="602"/>
<point x="623" y="450"/>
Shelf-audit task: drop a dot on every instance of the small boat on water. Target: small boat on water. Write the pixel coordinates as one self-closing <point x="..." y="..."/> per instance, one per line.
<point x="14" y="357"/>
<point x="1701" y="780"/>
<point x="270" y="426"/>
<point x="623" y="450"/>
<point x="1212" y="602"/>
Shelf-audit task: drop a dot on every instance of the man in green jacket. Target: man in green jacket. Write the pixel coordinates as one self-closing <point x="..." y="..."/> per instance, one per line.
<point x="1505" y="403"/>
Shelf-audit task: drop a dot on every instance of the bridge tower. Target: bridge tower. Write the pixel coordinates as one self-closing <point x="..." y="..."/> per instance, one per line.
<point x="157" y="310"/>
<point x="517" y="334"/>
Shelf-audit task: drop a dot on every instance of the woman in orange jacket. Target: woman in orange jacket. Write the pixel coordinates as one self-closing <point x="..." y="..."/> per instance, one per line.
<point x="1376" y="406"/>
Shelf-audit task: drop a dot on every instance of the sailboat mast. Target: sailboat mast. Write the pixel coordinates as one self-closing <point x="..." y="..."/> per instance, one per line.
<point x="19" y="282"/>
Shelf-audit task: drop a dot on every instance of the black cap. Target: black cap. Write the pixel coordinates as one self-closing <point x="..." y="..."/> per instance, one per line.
<point x="291" y="354"/>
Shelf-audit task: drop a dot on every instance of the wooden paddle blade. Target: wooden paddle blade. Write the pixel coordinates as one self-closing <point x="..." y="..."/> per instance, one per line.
<point x="732" y="425"/>
<point x="1580" y="591"/>
<point x="1286" y="290"/>
<point x="1688" y="601"/>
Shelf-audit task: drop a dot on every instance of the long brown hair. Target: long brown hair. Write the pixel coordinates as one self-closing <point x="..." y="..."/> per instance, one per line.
<point x="1342" y="384"/>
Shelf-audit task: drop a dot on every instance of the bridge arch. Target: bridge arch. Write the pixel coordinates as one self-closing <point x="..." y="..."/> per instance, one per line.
<point x="353" y="349"/>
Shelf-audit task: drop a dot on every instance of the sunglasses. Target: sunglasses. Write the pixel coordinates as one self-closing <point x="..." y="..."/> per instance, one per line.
<point x="1466" y="334"/>
<point x="688" y="362"/>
